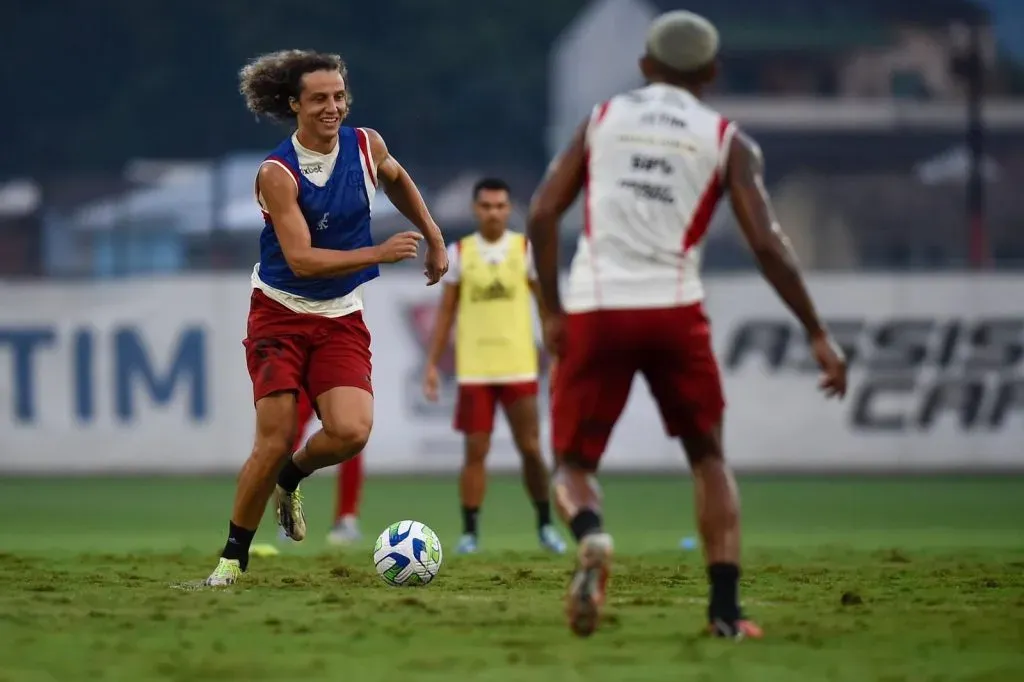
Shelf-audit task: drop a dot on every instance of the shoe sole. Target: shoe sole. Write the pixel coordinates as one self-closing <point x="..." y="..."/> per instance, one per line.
<point x="586" y="591"/>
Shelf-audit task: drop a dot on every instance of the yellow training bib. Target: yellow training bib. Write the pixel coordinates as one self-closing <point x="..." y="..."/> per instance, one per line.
<point x="494" y="340"/>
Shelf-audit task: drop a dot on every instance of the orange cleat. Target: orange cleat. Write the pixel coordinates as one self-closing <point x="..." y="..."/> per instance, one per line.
<point x="737" y="630"/>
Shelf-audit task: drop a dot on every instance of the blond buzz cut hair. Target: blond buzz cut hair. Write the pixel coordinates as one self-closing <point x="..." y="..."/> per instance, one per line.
<point x="682" y="41"/>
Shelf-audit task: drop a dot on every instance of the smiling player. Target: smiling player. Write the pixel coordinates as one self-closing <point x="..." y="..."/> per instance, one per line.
<point x="305" y="328"/>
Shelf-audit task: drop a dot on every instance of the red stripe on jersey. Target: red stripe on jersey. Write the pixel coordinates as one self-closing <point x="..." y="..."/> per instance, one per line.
<point x="702" y="216"/>
<point x="295" y="173"/>
<point x="708" y="200"/>
<point x="364" y="147"/>
<point x="598" y="116"/>
<point x="586" y="193"/>
<point x="723" y="125"/>
<point x="587" y="227"/>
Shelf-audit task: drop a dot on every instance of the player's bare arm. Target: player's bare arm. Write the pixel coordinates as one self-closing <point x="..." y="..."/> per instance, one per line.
<point x="542" y="311"/>
<point x="775" y="257"/>
<point x="439" y="339"/>
<point x="406" y="197"/>
<point x="552" y="199"/>
<point x="280" y="195"/>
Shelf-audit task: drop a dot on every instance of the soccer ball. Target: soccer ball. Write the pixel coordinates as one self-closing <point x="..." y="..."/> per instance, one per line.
<point x="407" y="554"/>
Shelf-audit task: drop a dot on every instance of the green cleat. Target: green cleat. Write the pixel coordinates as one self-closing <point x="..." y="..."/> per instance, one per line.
<point x="226" y="573"/>
<point x="290" y="516"/>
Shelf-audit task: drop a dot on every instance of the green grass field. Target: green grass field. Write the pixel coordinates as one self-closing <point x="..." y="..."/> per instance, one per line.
<point x="853" y="579"/>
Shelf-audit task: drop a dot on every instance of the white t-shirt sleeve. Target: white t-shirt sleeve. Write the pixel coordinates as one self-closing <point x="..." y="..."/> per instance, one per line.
<point x="531" y="268"/>
<point x="454" y="272"/>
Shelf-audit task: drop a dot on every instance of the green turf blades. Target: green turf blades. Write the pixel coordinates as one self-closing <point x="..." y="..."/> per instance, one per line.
<point x="853" y="580"/>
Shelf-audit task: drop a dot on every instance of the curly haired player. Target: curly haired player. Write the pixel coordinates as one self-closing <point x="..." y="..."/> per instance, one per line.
<point x="305" y="328"/>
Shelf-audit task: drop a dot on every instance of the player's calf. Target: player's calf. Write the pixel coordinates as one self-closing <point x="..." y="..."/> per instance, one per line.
<point x="274" y="432"/>
<point x="719" y="523"/>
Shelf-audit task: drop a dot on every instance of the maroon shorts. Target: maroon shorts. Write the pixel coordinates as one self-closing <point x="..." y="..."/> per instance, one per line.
<point x="604" y="349"/>
<point x="474" y="411"/>
<point x="289" y="351"/>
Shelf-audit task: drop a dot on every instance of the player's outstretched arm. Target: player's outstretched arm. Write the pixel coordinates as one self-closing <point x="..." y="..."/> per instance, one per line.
<point x="775" y="257"/>
<point x="552" y="199"/>
<point x="281" y="198"/>
<point x="406" y="197"/>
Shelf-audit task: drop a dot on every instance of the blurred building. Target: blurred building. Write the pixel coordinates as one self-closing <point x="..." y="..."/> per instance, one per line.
<point x="859" y="107"/>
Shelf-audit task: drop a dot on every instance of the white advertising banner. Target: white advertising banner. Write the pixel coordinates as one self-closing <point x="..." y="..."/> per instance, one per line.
<point x="936" y="367"/>
<point x="149" y="376"/>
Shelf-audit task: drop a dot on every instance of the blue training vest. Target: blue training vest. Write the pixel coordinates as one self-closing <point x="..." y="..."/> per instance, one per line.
<point x="338" y="216"/>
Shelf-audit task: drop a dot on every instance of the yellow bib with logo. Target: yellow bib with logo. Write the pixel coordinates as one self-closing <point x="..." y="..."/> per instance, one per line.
<point x="494" y="340"/>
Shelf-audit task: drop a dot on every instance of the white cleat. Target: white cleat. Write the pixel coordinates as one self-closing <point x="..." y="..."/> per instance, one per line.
<point x="550" y="540"/>
<point x="344" y="532"/>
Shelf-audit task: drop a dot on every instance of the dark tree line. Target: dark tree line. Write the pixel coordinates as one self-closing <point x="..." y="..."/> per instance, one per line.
<point x="89" y="85"/>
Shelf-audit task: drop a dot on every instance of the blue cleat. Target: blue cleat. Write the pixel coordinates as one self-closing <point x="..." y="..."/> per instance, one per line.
<point x="467" y="545"/>
<point x="550" y="540"/>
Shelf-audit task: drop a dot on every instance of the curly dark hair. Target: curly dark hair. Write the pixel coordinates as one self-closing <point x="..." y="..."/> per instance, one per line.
<point x="269" y="81"/>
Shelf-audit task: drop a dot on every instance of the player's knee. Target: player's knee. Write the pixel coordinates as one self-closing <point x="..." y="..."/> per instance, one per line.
<point x="477" y="447"/>
<point x="350" y="434"/>
<point x="704" y="448"/>
<point x="575" y="464"/>
<point x="529" y="448"/>
<point x="273" y="446"/>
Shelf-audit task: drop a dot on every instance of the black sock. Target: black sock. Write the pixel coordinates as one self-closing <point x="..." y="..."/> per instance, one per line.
<point x="725" y="598"/>
<point x="543" y="513"/>
<point x="237" y="546"/>
<point x="469" y="515"/>
<point x="290" y="476"/>
<point x="585" y="523"/>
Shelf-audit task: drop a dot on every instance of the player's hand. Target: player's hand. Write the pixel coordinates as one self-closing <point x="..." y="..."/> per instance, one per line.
<point x="431" y="383"/>
<point x="554" y="334"/>
<point x="436" y="262"/>
<point x="833" y="365"/>
<point x="402" y="246"/>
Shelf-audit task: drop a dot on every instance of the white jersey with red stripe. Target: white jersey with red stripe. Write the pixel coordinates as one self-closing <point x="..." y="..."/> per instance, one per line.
<point x="655" y="167"/>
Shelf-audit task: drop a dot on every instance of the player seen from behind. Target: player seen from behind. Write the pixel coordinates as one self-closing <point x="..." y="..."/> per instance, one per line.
<point x="305" y="328"/>
<point x="652" y="164"/>
<point x="487" y="295"/>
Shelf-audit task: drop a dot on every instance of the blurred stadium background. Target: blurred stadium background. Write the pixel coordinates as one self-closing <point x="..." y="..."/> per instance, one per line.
<point x="129" y="230"/>
<point x="894" y="137"/>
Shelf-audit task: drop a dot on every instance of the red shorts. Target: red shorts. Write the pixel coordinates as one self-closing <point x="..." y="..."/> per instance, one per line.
<point x="604" y="349"/>
<point x="474" y="411"/>
<point x="289" y="351"/>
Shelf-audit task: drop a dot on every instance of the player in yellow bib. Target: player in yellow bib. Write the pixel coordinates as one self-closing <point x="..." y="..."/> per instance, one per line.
<point x="488" y="288"/>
